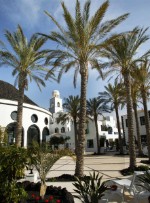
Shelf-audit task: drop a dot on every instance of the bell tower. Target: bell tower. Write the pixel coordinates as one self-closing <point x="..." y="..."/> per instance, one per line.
<point x="55" y="102"/>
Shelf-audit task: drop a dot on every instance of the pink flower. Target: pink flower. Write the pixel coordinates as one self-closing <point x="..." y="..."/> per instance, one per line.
<point x="58" y="201"/>
<point x="46" y="200"/>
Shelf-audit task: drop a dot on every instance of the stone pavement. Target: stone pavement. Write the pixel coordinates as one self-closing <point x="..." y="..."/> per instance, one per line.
<point x="107" y="165"/>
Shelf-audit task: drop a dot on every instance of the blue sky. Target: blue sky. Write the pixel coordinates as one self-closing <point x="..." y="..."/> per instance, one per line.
<point x="30" y="15"/>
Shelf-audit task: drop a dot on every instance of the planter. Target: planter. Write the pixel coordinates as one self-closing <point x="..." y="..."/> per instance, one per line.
<point x="52" y="195"/>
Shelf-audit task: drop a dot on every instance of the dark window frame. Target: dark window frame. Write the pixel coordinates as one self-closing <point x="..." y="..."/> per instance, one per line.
<point x="142" y="120"/>
<point x="90" y="143"/>
<point x="34" y="118"/>
<point x="126" y="122"/>
<point x="63" y="130"/>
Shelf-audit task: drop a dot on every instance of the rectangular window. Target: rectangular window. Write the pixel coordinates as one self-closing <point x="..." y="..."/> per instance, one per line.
<point x="142" y="120"/>
<point x="126" y="122"/>
<point x="90" y="143"/>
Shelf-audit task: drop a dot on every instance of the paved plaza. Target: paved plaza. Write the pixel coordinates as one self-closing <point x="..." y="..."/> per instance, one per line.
<point x="107" y="165"/>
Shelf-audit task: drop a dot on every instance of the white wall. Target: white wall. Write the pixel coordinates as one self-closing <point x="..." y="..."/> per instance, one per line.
<point x="8" y="106"/>
<point x="142" y="127"/>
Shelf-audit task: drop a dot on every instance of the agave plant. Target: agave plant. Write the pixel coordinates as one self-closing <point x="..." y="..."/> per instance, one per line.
<point x="145" y="181"/>
<point x="90" y="189"/>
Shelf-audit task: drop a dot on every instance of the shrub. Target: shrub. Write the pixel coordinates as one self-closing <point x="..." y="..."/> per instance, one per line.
<point x="90" y="190"/>
<point x="129" y="171"/>
<point x="12" y="163"/>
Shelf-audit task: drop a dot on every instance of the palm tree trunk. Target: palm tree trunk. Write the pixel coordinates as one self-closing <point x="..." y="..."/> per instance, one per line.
<point x="127" y="81"/>
<point x="147" y="125"/>
<point x="97" y="135"/>
<point x="137" y="129"/>
<point x="79" y="171"/>
<point x="75" y="134"/>
<point x="20" y="109"/>
<point x="119" y="130"/>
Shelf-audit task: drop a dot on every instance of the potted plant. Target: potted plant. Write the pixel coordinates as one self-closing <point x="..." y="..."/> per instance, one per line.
<point x="91" y="189"/>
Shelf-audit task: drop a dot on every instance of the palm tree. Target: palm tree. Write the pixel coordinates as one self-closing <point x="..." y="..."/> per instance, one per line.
<point x="134" y="94"/>
<point x="72" y="106"/>
<point x="95" y="107"/>
<point x="122" y="57"/>
<point x="142" y="76"/>
<point x="113" y="96"/>
<point x="26" y="60"/>
<point x="79" y="44"/>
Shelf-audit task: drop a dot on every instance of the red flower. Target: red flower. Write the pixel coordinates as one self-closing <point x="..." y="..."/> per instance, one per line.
<point x="33" y="195"/>
<point x="37" y="198"/>
<point x="51" y="197"/>
<point x="58" y="201"/>
<point x="46" y="200"/>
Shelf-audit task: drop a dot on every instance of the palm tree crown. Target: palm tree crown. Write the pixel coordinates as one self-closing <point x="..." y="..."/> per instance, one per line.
<point x="27" y="60"/>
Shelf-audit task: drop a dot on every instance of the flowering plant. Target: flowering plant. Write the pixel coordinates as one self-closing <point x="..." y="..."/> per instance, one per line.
<point x="48" y="199"/>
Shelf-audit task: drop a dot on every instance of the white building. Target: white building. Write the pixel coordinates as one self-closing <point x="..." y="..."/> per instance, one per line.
<point x="40" y="124"/>
<point x="106" y="126"/>
<point x="36" y="120"/>
<point x="141" y="120"/>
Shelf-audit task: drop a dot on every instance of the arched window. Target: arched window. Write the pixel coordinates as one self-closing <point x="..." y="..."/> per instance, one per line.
<point x="56" y="130"/>
<point x="62" y="130"/>
<point x="11" y="132"/>
<point x="33" y="134"/>
<point x="58" y="104"/>
<point x="44" y="134"/>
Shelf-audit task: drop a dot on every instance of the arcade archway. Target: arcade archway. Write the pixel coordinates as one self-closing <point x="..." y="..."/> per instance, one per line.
<point x="44" y="134"/>
<point x="11" y="131"/>
<point x="33" y="134"/>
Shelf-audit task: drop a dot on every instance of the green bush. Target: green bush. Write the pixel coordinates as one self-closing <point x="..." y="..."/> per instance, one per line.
<point x="12" y="163"/>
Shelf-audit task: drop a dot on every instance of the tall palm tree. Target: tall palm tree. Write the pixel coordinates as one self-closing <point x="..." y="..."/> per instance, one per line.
<point x="95" y="107"/>
<point x="134" y="94"/>
<point x="78" y="46"/>
<point x="122" y="57"/>
<point x="72" y="106"/>
<point x="26" y="60"/>
<point x="142" y="76"/>
<point x="113" y="96"/>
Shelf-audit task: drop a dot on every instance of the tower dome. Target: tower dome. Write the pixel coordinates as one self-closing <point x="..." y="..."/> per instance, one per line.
<point x="55" y="93"/>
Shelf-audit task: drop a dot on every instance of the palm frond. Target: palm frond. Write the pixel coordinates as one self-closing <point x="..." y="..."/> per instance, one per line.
<point x="97" y="18"/>
<point x="86" y="11"/>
